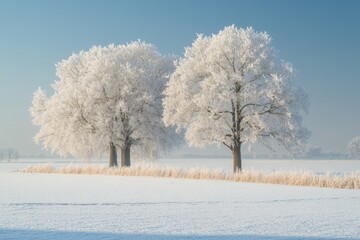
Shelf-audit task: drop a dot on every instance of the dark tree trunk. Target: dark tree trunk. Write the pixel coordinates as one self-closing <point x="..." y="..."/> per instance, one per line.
<point x="237" y="158"/>
<point x="125" y="157"/>
<point x="113" y="155"/>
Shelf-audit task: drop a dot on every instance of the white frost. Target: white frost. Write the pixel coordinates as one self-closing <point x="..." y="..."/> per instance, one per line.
<point x="44" y="206"/>
<point x="232" y="88"/>
<point x="106" y="95"/>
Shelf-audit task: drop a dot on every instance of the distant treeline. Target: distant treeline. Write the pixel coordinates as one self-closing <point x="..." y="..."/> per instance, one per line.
<point x="271" y="156"/>
<point x="9" y="154"/>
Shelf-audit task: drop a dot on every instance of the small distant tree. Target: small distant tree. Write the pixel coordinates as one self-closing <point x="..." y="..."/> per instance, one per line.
<point x="354" y="147"/>
<point x="106" y="99"/>
<point x="9" y="154"/>
<point x="233" y="89"/>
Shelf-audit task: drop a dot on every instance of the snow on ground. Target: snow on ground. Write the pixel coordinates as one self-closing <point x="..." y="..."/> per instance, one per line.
<point x="317" y="166"/>
<point x="53" y="206"/>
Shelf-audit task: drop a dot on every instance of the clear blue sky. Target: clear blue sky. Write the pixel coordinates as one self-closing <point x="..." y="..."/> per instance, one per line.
<point x="321" y="39"/>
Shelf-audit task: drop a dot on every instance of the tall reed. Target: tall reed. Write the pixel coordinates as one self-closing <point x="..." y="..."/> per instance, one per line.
<point x="298" y="178"/>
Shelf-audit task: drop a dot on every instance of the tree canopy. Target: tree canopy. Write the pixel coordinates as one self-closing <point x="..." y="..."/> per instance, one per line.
<point x="354" y="147"/>
<point x="106" y="96"/>
<point x="232" y="89"/>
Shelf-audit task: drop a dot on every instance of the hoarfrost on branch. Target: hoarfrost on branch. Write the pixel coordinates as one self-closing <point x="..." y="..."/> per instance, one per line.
<point x="106" y="95"/>
<point x="232" y="89"/>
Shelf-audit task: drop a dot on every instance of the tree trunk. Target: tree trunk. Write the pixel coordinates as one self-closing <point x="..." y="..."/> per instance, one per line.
<point x="237" y="158"/>
<point x="113" y="155"/>
<point x="125" y="157"/>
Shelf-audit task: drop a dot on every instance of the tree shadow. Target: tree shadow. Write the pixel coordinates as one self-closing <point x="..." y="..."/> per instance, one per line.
<point x="12" y="234"/>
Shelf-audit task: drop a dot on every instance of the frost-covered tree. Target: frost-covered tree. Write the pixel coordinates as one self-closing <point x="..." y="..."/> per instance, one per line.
<point x="354" y="147"/>
<point x="233" y="89"/>
<point x="106" y="98"/>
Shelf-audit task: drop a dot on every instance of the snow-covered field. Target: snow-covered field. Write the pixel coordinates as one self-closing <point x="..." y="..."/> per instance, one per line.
<point x="317" y="166"/>
<point x="54" y="206"/>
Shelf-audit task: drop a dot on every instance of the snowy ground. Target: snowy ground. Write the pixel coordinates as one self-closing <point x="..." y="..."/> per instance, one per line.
<point x="317" y="166"/>
<point x="47" y="206"/>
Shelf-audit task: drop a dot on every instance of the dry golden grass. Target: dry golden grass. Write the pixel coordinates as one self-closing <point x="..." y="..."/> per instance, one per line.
<point x="298" y="178"/>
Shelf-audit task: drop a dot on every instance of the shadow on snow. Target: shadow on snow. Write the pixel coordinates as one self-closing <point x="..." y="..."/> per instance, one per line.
<point x="12" y="234"/>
